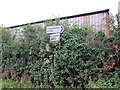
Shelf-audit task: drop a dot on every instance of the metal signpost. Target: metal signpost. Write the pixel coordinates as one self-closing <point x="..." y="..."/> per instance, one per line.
<point x="54" y="35"/>
<point x="54" y="29"/>
<point x="54" y="32"/>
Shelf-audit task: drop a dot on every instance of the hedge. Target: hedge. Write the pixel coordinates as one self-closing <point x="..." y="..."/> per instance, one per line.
<point x="81" y="58"/>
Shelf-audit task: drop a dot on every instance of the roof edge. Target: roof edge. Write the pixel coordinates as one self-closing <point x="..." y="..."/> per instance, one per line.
<point x="66" y="17"/>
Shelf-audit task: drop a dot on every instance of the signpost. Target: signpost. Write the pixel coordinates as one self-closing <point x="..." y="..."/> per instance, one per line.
<point x="54" y="29"/>
<point x="55" y="37"/>
<point x="54" y="32"/>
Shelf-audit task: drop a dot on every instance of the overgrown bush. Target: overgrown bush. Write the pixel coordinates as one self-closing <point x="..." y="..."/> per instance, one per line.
<point x="24" y="56"/>
<point x="81" y="58"/>
<point x="75" y="60"/>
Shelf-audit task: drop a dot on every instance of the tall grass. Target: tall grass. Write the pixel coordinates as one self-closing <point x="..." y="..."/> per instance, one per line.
<point x="10" y="84"/>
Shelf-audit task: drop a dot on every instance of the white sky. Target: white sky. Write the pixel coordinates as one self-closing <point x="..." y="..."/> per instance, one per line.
<point x="15" y="12"/>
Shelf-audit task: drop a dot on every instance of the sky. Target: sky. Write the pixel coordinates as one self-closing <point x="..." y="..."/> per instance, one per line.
<point x="16" y="12"/>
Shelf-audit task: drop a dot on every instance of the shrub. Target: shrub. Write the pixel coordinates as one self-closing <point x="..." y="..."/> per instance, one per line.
<point x="76" y="60"/>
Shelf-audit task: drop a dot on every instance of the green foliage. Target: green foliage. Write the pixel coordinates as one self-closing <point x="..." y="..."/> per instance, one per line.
<point x="74" y="61"/>
<point x="110" y="80"/>
<point x="6" y="43"/>
<point x="10" y="84"/>
<point x="116" y="36"/>
<point x="33" y="51"/>
<point x="100" y="36"/>
<point x="26" y="55"/>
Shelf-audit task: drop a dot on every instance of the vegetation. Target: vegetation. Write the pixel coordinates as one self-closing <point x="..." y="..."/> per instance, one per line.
<point x="11" y="84"/>
<point x="80" y="59"/>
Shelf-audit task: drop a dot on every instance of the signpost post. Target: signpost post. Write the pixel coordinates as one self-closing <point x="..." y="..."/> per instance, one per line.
<point x="54" y="35"/>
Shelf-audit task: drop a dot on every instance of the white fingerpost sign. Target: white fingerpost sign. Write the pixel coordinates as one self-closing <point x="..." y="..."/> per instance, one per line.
<point x="55" y="37"/>
<point x="54" y="29"/>
<point x="54" y="32"/>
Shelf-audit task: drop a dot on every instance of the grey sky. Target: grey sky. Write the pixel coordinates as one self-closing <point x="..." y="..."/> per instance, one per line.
<point x="14" y="12"/>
